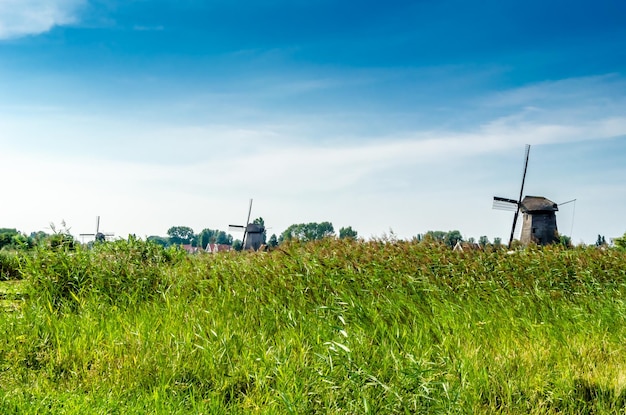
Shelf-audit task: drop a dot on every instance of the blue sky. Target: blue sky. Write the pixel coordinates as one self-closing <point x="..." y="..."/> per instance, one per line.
<point x="402" y="116"/>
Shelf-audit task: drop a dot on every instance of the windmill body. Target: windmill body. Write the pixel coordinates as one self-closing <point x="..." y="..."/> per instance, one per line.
<point x="539" y="221"/>
<point x="254" y="236"/>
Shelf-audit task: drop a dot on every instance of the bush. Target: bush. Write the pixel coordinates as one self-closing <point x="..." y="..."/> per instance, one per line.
<point x="10" y="265"/>
<point x="119" y="273"/>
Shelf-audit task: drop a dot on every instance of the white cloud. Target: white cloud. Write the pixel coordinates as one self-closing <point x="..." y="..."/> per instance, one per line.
<point x="143" y="176"/>
<point x="30" y="17"/>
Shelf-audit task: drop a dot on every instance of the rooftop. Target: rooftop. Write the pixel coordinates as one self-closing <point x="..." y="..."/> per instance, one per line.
<point x="538" y="204"/>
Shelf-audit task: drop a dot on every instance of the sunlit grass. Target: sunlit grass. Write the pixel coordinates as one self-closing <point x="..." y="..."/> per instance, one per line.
<point x="327" y="327"/>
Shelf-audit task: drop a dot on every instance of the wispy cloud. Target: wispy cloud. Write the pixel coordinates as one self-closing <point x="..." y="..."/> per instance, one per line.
<point x="31" y="17"/>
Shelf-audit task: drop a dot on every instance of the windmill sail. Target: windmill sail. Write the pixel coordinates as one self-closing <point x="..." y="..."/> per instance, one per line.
<point x="503" y="203"/>
<point x="521" y="192"/>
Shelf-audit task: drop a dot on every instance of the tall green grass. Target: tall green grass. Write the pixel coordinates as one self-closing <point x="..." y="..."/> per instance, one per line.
<point x="335" y="326"/>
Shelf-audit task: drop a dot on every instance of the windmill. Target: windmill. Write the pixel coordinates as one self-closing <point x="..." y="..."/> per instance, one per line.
<point x="539" y="222"/>
<point x="98" y="236"/>
<point x="252" y="232"/>
<point x="503" y="203"/>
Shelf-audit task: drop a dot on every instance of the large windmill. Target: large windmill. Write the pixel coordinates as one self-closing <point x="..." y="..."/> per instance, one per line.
<point x="539" y="222"/>
<point x="98" y="236"/>
<point x="252" y="232"/>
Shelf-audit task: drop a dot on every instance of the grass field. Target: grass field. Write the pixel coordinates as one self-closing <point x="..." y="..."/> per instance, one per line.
<point x="335" y="326"/>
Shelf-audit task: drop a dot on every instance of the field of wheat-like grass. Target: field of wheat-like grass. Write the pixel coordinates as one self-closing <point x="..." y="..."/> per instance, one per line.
<point x="334" y="326"/>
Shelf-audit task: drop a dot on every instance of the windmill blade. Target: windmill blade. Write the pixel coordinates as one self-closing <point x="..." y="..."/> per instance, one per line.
<point x="97" y="224"/>
<point x="521" y="193"/>
<point x="249" y="212"/>
<point x="245" y="232"/>
<point x="565" y="203"/>
<point x="236" y="227"/>
<point x="502" y="203"/>
<point x="527" y="154"/>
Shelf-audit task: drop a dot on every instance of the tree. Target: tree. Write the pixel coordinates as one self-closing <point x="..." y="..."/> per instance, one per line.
<point x="38" y="237"/>
<point x="565" y="240"/>
<point x="6" y="237"/>
<point x="348" y="233"/>
<point x="159" y="240"/>
<point x="452" y="238"/>
<point x="273" y="241"/>
<point x="223" y="238"/>
<point x="600" y="241"/>
<point x="214" y="236"/>
<point x="308" y="231"/>
<point x="237" y="245"/>
<point x="483" y="241"/>
<point x="620" y="242"/>
<point x="435" y="236"/>
<point x="497" y="241"/>
<point x="206" y="237"/>
<point x="181" y="235"/>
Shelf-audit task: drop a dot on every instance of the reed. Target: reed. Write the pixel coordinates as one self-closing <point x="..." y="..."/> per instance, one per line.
<point x="335" y="326"/>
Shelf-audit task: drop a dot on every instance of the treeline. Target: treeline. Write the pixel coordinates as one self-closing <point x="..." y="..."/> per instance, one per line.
<point x="13" y="240"/>
<point x="305" y="232"/>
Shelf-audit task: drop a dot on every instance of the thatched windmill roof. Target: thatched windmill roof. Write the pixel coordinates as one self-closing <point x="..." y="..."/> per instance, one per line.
<point x="532" y="204"/>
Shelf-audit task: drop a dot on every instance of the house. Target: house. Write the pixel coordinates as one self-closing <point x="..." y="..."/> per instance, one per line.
<point x="190" y="249"/>
<point x="467" y="246"/>
<point x="215" y="248"/>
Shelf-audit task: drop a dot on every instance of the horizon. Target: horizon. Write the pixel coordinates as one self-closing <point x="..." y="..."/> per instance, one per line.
<point x="406" y="117"/>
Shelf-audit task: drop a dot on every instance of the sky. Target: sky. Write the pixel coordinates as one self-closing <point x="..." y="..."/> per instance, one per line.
<point x="394" y="118"/>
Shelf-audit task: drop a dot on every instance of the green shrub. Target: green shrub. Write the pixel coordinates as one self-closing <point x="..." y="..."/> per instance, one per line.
<point x="120" y="272"/>
<point x="10" y="265"/>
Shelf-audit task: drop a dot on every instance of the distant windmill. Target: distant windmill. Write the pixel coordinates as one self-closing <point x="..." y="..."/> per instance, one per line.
<point x="539" y="223"/>
<point x="252" y="232"/>
<point x="98" y="236"/>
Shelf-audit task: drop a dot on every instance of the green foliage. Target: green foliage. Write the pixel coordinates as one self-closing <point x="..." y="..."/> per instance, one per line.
<point x="11" y="239"/>
<point x="449" y="238"/>
<point x="565" y="241"/>
<point x="181" y="235"/>
<point x="452" y="238"/>
<point x="159" y="240"/>
<point x="273" y="241"/>
<point x="620" y="242"/>
<point x="483" y="241"/>
<point x="123" y="272"/>
<point x="10" y="263"/>
<point x="306" y="232"/>
<point x="435" y="236"/>
<point x="330" y="326"/>
<point x="348" y="233"/>
<point x="214" y="236"/>
<point x="6" y="236"/>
